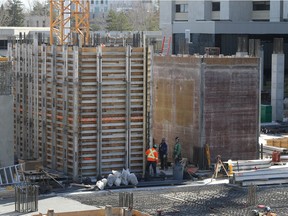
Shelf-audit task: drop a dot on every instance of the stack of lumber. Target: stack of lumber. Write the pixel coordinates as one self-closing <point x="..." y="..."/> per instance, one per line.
<point x="271" y="144"/>
<point x="277" y="174"/>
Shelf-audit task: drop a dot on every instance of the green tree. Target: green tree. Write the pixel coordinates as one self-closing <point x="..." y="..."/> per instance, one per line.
<point x="15" y="11"/>
<point x="4" y="16"/>
<point x="118" y="21"/>
<point x="40" y="8"/>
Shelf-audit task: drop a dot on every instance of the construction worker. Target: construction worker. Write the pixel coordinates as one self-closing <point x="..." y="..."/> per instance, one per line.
<point x="177" y="151"/>
<point x="152" y="159"/>
<point x="163" y="149"/>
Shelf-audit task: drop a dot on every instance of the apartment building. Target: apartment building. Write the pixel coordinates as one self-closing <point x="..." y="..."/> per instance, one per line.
<point x="99" y="7"/>
<point x="196" y="24"/>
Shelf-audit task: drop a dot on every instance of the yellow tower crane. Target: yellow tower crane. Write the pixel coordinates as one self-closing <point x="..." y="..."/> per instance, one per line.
<point x="68" y="17"/>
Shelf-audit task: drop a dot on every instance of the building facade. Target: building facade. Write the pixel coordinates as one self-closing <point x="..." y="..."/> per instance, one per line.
<point x="99" y="7"/>
<point x="196" y="24"/>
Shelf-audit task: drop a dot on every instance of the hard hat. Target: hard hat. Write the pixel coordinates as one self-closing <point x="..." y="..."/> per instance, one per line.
<point x="155" y="146"/>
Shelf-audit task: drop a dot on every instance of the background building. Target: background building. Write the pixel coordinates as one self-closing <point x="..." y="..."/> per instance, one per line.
<point x="226" y="24"/>
<point x="99" y="7"/>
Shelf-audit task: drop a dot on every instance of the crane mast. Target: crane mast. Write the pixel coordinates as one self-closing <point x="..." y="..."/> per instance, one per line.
<point x="67" y="19"/>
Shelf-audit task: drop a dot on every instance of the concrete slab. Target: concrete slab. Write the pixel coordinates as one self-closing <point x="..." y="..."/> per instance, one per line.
<point x="59" y="204"/>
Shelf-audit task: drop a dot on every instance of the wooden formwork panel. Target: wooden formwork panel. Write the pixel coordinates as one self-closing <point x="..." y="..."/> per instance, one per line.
<point x="91" y="104"/>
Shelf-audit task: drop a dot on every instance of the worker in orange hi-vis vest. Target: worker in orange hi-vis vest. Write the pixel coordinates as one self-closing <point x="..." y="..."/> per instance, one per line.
<point x="152" y="159"/>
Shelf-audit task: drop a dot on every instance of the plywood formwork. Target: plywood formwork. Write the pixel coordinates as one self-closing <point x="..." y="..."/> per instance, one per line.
<point x="92" y="107"/>
<point x="212" y="101"/>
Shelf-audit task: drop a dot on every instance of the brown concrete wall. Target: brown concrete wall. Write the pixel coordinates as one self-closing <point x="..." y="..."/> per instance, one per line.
<point x="176" y="102"/>
<point x="207" y="101"/>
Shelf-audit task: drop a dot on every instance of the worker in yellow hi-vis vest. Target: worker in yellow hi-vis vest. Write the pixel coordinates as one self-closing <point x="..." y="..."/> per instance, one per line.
<point x="152" y="159"/>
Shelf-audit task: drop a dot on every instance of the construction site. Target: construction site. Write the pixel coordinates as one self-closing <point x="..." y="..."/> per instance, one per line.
<point x="79" y="110"/>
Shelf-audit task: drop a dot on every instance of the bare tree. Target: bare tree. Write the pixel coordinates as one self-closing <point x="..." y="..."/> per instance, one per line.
<point x="143" y="18"/>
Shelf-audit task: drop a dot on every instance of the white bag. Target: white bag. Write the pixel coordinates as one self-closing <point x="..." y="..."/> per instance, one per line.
<point x="124" y="176"/>
<point x="132" y="179"/>
<point x="117" y="182"/>
<point x="116" y="173"/>
<point x="100" y="185"/>
<point x="111" y="179"/>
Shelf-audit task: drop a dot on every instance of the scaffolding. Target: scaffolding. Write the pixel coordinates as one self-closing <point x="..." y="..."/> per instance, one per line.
<point x="68" y="20"/>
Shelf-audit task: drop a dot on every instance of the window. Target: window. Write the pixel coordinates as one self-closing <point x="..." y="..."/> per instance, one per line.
<point x="181" y="8"/>
<point x="102" y="1"/>
<point x="261" y="5"/>
<point x="92" y="2"/>
<point x="43" y="23"/>
<point x="3" y="44"/>
<point x="215" y="6"/>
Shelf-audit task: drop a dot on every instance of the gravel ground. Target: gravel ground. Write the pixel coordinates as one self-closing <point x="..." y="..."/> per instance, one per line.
<point x="190" y="200"/>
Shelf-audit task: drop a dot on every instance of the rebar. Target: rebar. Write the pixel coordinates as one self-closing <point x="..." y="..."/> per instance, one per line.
<point x="26" y="198"/>
<point x="252" y="196"/>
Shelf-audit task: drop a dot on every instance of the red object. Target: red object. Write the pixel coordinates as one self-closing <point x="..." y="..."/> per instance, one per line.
<point x="163" y="43"/>
<point x="275" y="156"/>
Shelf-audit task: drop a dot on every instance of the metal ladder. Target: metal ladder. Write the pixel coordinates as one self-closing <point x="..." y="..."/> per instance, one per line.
<point x="166" y="43"/>
<point x="11" y="175"/>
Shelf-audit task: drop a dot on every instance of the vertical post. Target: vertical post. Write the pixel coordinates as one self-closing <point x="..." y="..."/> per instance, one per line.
<point x="30" y="97"/>
<point x="75" y="111"/>
<point x="23" y="69"/>
<point x="17" y="97"/>
<point x="128" y="108"/>
<point x="108" y="210"/>
<point x="261" y="148"/>
<point x="145" y="111"/>
<point x="277" y="80"/>
<point x="43" y="103"/>
<point x="64" y="107"/>
<point x="149" y="92"/>
<point x="99" y="109"/>
<point x="36" y="95"/>
<point x="54" y="105"/>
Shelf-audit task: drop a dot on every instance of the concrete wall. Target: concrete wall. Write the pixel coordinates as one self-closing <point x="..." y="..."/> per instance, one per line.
<point x="207" y="101"/>
<point x="176" y="102"/>
<point x="6" y="131"/>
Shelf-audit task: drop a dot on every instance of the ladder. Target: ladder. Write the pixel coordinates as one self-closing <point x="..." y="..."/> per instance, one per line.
<point x="11" y="175"/>
<point x="165" y="49"/>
